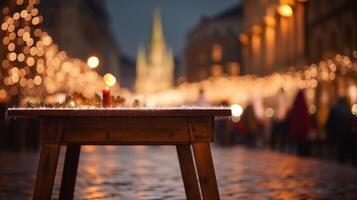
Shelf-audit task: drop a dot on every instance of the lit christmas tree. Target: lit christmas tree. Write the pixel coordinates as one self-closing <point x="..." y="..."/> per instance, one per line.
<point x="32" y="66"/>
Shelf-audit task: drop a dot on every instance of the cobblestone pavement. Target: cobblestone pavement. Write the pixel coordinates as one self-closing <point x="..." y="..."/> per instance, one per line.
<point x="142" y="172"/>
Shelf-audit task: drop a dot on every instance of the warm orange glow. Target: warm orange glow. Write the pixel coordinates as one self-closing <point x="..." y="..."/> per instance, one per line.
<point x="20" y="32"/>
<point x="23" y="13"/>
<point x="12" y="56"/>
<point x="12" y="36"/>
<point x="34" y="12"/>
<point x="47" y="40"/>
<point x="35" y="20"/>
<point x="270" y="20"/>
<point x="11" y="28"/>
<point x="354" y="109"/>
<point x="233" y="68"/>
<point x="270" y="44"/>
<point x="2" y="94"/>
<point x="30" y="61"/>
<point x="37" y="80"/>
<point x="4" y="26"/>
<point x="256" y="29"/>
<point x="285" y="10"/>
<point x="217" y="52"/>
<point x="93" y="62"/>
<point x="19" y="2"/>
<point x="30" y="83"/>
<point x="33" y="51"/>
<point x="243" y="38"/>
<point x="6" y="40"/>
<point x="15" y="78"/>
<point x="40" y="68"/>
<point x="16" y="16"/>
<point x="11" y="47"/>
<point x="23" y="82"/>
<point x="109" y="79"/>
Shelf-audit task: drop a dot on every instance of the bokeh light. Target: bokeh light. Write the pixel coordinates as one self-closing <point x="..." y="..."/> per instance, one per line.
<point x="109" y="79"/>
<point x="93" y="62"/>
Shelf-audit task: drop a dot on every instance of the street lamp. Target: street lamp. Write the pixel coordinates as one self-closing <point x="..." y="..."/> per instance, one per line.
<point x="93" y="62"/>
<point x="109" y="79"/>
<point x="285" y="10"/>
<point x="237" y="111"/>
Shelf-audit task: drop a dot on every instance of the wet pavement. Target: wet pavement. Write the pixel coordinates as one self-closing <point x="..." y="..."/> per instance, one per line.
<point x="143" y="172"/>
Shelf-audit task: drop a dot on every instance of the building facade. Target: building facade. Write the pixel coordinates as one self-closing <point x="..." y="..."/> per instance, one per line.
<point x="155" y="62"/>
<point x="213" y="46"/>
<point x="81" y="28"/>
<point x="331" y="28"/>
<point x="285" y="33"/>
<point x="274" y="36"/>
<point x="127" y="72"/>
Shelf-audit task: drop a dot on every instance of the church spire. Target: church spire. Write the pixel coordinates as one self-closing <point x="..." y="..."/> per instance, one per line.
<point x="155" y="66"/>
<point x="157" y="35"/>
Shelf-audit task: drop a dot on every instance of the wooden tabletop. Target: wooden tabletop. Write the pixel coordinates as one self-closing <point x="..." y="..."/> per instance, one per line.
<point x="120" y="112"/>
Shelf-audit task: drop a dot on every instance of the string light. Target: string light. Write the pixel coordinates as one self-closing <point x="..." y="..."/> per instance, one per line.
<point x="42" y="69"/>
<point x="93" y="62"/>
<point x="240" y="89"/>
<point x="285" y="10"/>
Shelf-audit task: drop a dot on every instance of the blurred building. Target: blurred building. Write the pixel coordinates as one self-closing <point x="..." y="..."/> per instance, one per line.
<point x="127" y="72"/>
<point x="213" y="47"/>
<point x="279" y="34"/>
<point x="331" y="28"/>
<point x="155" y="63"/>
<point x="274" y="35"/>
<point x="81" y="28"/>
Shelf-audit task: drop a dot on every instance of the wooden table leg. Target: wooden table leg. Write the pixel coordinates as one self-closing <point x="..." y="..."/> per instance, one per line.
<point x="205" y="169"/>
<point x="46" y="171"/>
<point x="70" y="172"/>
<point x="188" y="172"/>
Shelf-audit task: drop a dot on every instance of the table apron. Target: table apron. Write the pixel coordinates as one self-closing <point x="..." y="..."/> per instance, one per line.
<point x="126" y="131"/>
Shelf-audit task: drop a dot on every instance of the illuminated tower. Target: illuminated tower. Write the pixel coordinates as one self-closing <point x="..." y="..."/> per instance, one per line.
<point x="155" y="63"/>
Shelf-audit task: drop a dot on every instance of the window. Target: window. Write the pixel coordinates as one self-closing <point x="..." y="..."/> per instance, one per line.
<point x="233" y="68"/>
<point x="217" y="52"/>
<point x="216" y="70"/>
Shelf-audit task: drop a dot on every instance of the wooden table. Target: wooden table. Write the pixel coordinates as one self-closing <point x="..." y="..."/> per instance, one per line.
<point x="190" y="130"/>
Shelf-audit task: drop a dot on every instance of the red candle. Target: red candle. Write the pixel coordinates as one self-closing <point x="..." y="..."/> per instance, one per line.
<point x="106" y="97"/>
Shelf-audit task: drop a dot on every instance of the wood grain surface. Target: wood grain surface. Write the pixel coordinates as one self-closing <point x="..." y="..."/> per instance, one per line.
<point x="120" y="112"/>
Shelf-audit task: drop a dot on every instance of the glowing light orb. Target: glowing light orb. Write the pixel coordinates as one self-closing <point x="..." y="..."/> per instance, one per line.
<point x="269" y="112"/>
<point x="236" y="110"/>
<point x="354" y="109"/>
<point x="93" y="62"/>
<point x="312" y="109"/>
<point x="109" y="79"/>
<point x="285" y="10"/>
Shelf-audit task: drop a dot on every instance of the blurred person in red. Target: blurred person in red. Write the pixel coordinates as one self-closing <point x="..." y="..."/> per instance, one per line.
<point x="300" y="124"/>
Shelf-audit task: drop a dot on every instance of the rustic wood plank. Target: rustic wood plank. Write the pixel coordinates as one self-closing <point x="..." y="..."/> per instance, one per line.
<point x="70" y="172"/>
<point x="121" y="112"/>
<point x="201" y="129"/>
<point x="188" y="172"/>
<point x="50" y="130"/>
<point x="136" y="130"/>
<point x="46" y="171"/>
<point x="205" y="169"/>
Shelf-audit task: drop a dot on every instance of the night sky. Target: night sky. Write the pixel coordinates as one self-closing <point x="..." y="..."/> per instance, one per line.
<point x="131" y="20"/>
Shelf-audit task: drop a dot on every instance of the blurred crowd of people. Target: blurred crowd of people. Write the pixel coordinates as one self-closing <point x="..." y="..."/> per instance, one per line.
<point x="294" y="129"/>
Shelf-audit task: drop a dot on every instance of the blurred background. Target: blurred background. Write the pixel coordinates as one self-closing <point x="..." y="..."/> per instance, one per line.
<point x="254" y="55"/>
<point x="287" y="68"/>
